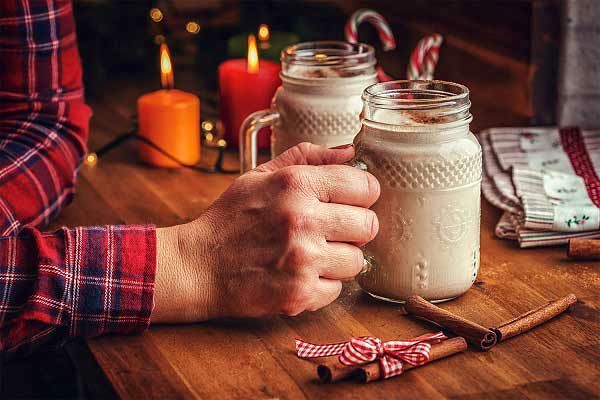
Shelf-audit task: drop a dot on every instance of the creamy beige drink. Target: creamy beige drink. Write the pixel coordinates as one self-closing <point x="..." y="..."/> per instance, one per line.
<point x="323" y="110"/>
<point x="415" y="139"/>
<point x="319" y="100"/>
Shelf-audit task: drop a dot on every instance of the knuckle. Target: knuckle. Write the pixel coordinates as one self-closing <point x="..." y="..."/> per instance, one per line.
<point x="289" y="178"/>
<point x="297" y="297"/>
<point x="296" y="219"/>
<point x="304" y="147"/>
<point x="330" y="297"/>
<point x="293" y="220"/>
<point x="298" y="153"/>
<point x="296" y="257"/>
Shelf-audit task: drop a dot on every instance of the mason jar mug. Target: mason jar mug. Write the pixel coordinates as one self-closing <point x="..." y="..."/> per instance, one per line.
<point x="319" y="100"/>
<point x="415" y="139"/>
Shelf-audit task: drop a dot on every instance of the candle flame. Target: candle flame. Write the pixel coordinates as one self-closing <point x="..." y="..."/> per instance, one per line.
<point x="166" y="69"/>
<point x="252" y="55"/>
<point x="263" y="32"/>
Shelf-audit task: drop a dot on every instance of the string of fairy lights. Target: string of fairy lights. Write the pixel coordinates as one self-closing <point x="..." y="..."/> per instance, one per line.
<point x="216" y="146"/>
<point x="157" y="16"/>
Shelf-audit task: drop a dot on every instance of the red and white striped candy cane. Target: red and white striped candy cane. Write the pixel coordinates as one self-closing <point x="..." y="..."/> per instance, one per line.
<point x="424" y="57"/>
<point x="383" y="29"/>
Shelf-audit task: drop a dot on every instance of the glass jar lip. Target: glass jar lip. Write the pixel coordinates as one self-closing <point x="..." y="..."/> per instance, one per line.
<point x="351" y="59"/>
<point x="416" y="94"/>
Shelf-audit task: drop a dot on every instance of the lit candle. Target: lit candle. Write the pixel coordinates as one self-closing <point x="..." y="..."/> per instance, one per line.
<point x="246" y="86"/>
<point x="171" y="119"/>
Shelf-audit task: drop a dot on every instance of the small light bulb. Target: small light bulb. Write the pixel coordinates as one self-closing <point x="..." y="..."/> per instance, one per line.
<point x="207" y="125"/>
<point x="192" y="27"/>
<point x="156" y="15"/>
<point x="91" y="159"/>
<point x="263" y="32"/>
<point x="209" y="137"/>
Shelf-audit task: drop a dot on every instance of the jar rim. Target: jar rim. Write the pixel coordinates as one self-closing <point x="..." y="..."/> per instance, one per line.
<point x="349" y="59"/>
<point x="416" y="94"/>
<point x="417" y="102"/>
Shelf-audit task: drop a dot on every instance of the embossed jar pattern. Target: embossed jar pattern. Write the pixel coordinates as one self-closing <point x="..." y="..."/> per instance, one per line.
<point x="327" y="114"/>
<point x="415" y="139"/>
<point x="319" y="100"/>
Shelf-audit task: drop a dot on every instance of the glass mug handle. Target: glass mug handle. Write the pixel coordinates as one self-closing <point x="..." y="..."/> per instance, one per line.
<point x="248" y="135"/>
<point x="368" y="261"/>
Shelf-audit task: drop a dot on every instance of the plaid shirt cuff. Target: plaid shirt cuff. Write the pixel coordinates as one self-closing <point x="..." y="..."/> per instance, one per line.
<point x="110" y="279"/>
<point x="75" y="282"/>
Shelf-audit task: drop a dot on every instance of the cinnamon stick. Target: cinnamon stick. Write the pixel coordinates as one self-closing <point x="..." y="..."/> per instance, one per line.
<point x="584" y="249"/>
<point x="372" y="372"/>
<point x="533" y="318"/>
<point x="331" y="370"/>
<point x="477" y="335"/>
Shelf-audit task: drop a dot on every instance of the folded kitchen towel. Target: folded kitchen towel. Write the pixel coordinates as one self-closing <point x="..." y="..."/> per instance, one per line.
<point x="497" y="184"/>
<point x="546" y="181"/>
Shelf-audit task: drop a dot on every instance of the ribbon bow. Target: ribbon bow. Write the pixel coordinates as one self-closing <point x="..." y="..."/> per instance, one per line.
<point x="364" y="349"/>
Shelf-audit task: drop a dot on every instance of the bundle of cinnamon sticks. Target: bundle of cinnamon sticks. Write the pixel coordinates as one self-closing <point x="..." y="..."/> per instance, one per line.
<point x="331" y="370"/>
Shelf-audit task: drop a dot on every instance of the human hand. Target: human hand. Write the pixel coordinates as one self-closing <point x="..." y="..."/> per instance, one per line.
<point x="279" y="240"/>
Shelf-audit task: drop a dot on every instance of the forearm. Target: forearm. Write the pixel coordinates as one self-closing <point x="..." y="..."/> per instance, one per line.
<point x="170" y="291"/>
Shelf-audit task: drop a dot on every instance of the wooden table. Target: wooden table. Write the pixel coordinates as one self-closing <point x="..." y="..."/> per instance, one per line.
<point x="255" y="358"/>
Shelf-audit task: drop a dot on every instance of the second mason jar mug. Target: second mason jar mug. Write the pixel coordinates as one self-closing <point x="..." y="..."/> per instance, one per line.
<point x="319" y="100"/>
<point x="415" y="139"/>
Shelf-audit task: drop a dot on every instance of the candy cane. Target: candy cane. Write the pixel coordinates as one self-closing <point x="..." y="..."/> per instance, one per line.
<point x="424" y="57"/>
<point x="383" y="29"/>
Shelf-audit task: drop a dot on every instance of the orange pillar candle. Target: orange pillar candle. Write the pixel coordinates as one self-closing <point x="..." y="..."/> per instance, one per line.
<point x="171" y="119"/>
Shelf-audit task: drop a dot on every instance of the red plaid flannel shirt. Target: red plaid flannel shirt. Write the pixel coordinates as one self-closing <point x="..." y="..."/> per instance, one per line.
<point x="82" y="281"/>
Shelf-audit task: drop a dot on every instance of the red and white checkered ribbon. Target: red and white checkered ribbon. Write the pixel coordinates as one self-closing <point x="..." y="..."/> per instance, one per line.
<point x="361" y="350"/>
<point x="383" y="29"/>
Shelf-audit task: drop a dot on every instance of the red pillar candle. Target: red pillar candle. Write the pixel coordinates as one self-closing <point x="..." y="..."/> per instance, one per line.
<point x="246" y="86"/>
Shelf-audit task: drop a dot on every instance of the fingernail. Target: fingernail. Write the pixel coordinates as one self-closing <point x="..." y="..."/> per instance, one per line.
<point x="343" y="146"/>
<point x="374" y="186"/>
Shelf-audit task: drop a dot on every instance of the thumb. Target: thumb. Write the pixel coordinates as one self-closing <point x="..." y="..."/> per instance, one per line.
<point x="309" y="154"/>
